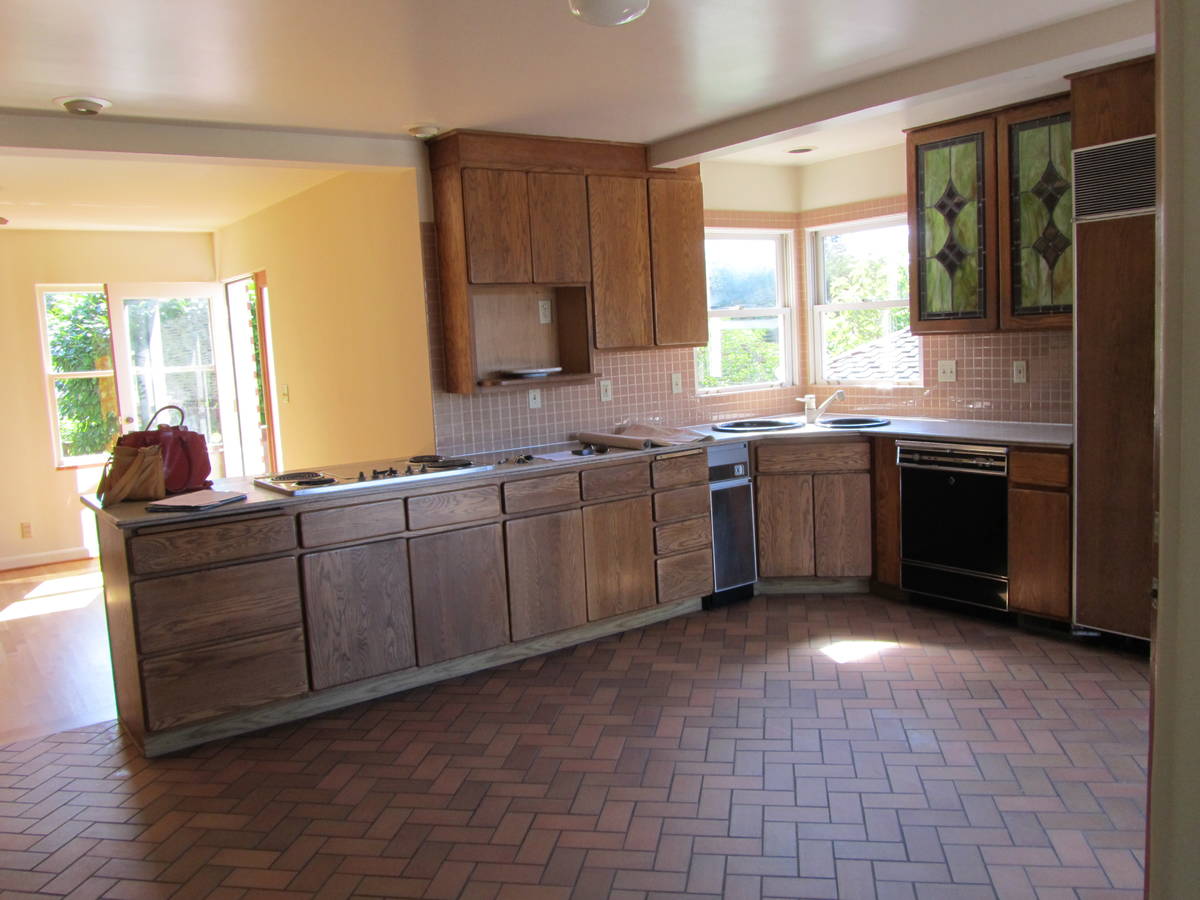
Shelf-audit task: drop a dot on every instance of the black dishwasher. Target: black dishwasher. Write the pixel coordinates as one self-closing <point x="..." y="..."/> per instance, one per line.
<point x="954" y="521"/>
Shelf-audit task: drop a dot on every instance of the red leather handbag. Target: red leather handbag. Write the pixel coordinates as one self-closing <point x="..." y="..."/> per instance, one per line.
<point x="186" y="466"/>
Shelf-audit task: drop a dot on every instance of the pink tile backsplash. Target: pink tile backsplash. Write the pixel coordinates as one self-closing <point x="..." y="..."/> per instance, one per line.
<point x="642" y="379"/>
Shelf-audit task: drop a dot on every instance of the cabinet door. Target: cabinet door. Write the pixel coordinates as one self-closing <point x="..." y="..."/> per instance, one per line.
<point x="885" y="489"/>
<point x="685" y="575"/>
<point x="546" y="587"/>
<point x="622" y="306"/>
<point x="460" y="595"/>
<point x="1036" y="235"/>
<point x="784" y="511"/>
<point x="677" y="258"/>
<point x="952" y="226"/>
<point x="619" y="557"/>
<point x="558" y="228"/>
<point x="842" y="523"/>
<point x="1039" y="552"/>
<point x="359" y="611"/>
<point x="496" y="219"/>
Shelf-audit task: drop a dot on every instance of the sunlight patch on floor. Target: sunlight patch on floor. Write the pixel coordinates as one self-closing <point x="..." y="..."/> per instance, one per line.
<point x="853" y="651"/>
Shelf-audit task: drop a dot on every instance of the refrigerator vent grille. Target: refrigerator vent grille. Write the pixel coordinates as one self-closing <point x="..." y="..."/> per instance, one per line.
<point x="1115" y="179"/>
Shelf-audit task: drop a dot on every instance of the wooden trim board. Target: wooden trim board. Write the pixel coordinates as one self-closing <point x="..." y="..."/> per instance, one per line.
<point x="813" y="585"/>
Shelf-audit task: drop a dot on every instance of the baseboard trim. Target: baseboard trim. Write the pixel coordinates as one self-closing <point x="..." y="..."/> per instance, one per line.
<point x="28" y="560"/>
<point x="814" y="585"/>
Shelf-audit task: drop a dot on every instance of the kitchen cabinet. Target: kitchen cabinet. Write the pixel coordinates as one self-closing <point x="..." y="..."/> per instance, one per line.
<point x="358" y="607"/>
<point x="621" y="289"/>
<point x="558" y="222"/>
<point x="619" y="557"/>
<point x="784" y="511"/>
<point x="990" y="233"/>
<point x="885" y="495"/>
<point x="842" y="524"/>
<point x="1039" y="533"/>
<point x="677" y="263"/>
<point x="496" y="219"/>
<point x="459" y="591"/>
<point x="547" y="590"/>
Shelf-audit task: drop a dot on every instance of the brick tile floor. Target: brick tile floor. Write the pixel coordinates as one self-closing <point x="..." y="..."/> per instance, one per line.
<point x="722" y="754"/>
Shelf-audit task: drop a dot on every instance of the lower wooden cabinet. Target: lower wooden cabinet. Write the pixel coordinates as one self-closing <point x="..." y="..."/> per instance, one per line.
<point x="460" y="595"/>
<point x="1039" y="552"/>
<point x="619" y="557"/>
<point x="685" y="575"/>
<point x="359" y="611"/>
<point x="547" y="590"/>
<point x="784" y="510"/>
<point x="842" y="524"/>
<point x="885" y="496"/>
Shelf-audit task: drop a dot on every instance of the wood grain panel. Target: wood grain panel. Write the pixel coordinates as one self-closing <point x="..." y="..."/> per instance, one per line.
<point x="122" y="632"/>
<point x="1114" y="438"/>
<point x="802" y="457"/>
<point x="525" y="151"/>
<point x="675" y="471"/>
<point x="547" y="590"/>
<point x="619" y="557"/>
<point x="677" y="259"/>
<point x="543" y="492"/>
<point x="690" y="534"/>
<point x="1039" y="468"/>
<point x="197" y="684"/>
<point x="558" y="226"/>
<point x="681" y="503"/>
<point x="460" y="592"/>
<point x="458" y="334"/>
<point x="685" y="575"/>
<point x="1039" y="552"/>
<point x="621" y="294"/>
<point x="207" y="544"/>
<point x="359" y="612"/>
<point x="178" y="611"/>
<point x="842" y="523"/>
<point x="509" y="333"/>
<point x="784" y="518"/>
<point x="1113" y="103"/>
<point x="615" y="481"/>
<point x="885" y="490"/>
<point x="453" y="507"/>
<point x="351" y="523"/>
<point x="496" y="218"/>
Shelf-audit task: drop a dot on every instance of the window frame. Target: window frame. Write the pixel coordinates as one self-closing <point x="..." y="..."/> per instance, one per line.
<point x="50" y="376"/>
<point x="815" y="260"/>
<point x="785" y="279"/>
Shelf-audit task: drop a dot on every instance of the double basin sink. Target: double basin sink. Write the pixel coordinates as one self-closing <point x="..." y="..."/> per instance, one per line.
<point x="767" y="425"/>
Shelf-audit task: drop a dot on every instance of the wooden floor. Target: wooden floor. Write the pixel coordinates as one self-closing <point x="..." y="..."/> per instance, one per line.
<point x="54" y="664"/>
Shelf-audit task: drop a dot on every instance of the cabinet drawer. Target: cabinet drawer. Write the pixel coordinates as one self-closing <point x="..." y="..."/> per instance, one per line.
<point x="222" y="542"/>
<point x="541" y="493"/>
<point x="453" y="507"/>
<point x="192" y="685"/>
<point x="616" y="481"/>
<point x="690" y="534"/>
<point x="182" y="610"/>
<point x="686" y="575"/>
<point x="811" y="457"/>
<point x="675" y="471"/>
<point x="681" y="503"/>
<point x="1039" y="469"/>
<point x="351" y="523"/>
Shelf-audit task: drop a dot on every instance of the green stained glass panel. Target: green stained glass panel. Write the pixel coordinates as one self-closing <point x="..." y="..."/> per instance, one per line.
<point x="1041" y="251"/>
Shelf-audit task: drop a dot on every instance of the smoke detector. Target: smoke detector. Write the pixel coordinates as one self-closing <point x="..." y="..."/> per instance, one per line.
<point x="83" y="106"/>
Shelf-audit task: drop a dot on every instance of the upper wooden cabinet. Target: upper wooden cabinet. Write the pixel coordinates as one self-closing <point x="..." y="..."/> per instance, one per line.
<point x="990" y="221"/>
<point x="677" y="263"/>
<point x="621" y="290"/>
<point x="496" y="217"/>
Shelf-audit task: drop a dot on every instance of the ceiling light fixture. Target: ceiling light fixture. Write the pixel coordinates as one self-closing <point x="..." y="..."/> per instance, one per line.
<point x="802" y="150"/>
<point x="607" y="13"/>
<point x="83" y="106"/>
<point x="424" y="130"/>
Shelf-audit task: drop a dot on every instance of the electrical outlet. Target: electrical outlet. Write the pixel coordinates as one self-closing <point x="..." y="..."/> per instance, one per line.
<point x="947" y="370"/>
<point x="285" y="393"/>
<point x="605" y="390"/>
<point x="676" y="383"/>
<point x="535" y="398"/>
<point x="1020" y="371"/>
<point x="26" y="529"/>
<point x="545" y="312"/>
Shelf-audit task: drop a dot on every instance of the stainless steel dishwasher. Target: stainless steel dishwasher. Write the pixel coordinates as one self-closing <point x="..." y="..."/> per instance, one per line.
<point x="735" y="566"/>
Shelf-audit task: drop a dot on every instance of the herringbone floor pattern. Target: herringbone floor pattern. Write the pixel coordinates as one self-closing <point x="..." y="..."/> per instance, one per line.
<point x="722" y="754"/>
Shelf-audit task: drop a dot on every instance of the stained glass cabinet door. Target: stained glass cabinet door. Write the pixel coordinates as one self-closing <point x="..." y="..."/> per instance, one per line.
<point x="1037" y="267"/>
<point x="952" y="226"/>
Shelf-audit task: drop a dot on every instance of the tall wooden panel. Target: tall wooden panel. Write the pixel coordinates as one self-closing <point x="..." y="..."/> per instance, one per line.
<point x="885" y="488"/>
<point x="1113" y="103"/>
<point x="619" y="557"/>
<point x="622" y="302"/>
<point x="842" y="523"/>
<point x="359" y="611"/>
<point x="496" y="214"/>
<point x="677" y="256"/>
<point x="558" y="228"/>
<point x="546" y="587"/>
<point x="784" y="513"/>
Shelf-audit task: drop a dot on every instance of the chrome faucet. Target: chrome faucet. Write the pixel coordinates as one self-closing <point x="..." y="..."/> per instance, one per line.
<point x="815" y="415"/>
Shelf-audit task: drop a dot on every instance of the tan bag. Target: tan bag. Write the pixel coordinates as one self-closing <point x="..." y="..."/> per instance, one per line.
<point x="133" y="473"/>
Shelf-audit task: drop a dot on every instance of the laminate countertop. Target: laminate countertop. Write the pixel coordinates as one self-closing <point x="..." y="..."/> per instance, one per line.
<point x="133" y="514"/>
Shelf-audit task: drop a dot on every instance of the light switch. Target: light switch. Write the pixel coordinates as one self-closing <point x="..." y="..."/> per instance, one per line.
<point x="947" y="370"/>
<point x="605" y="390"/>
<point x="545" y="312"/>
<point x="285" y="394"/>
<point x="535" y="398"/>
<point x="1020" y="371"/>
<point x="676" y="383"/>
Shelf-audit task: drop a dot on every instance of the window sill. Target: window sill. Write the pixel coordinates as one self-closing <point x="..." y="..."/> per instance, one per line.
<point x="743" y="388"/>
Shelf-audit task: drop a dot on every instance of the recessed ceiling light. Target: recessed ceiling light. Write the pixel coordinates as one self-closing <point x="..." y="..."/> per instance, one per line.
<point x="83" y="106"/>
<point x="606" y="13"/>
<point x="802" y="150"/>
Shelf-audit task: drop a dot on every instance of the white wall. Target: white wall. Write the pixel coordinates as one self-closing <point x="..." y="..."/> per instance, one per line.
<point x="739" y="186"/>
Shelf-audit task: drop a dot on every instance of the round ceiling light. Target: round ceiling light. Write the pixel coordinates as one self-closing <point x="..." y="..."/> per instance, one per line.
<point x="802" y="150"/>
<point x="83" y="106"/>
<point x="424" y="130"/>
<point x="607" y="13"/>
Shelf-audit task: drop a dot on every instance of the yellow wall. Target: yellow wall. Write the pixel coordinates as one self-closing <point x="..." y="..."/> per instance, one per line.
<point x="347" y="313"/>
<point x="854" y="179"/>
<point x="34" y="491"/>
